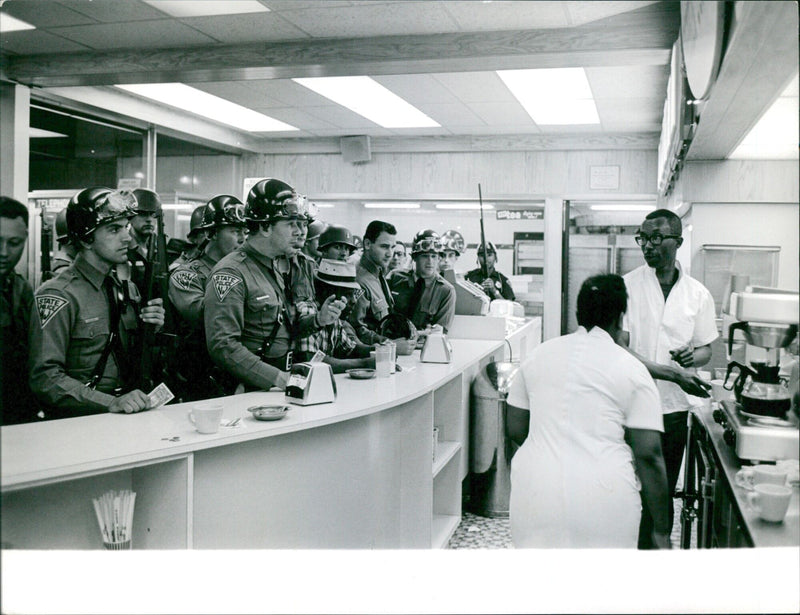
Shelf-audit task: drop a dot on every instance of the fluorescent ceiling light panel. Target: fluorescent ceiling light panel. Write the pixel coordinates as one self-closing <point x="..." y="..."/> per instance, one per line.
<point x="623" y="207"/>
<point x="12" y="24"/>
<point x="553" y="96"/>
<point x="774" y="137"/>
<point x="202" y="103"/>
<point x="205" y="8"/>
<point x="41" y="133"/>
<point x="467" y="205"/>
<point x="323" y="205"/>
<point x="368" y="98"/>
<point x="390" y="205"/>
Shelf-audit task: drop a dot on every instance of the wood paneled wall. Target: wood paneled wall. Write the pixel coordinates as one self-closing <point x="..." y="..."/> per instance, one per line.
<point x="523" y="173"/>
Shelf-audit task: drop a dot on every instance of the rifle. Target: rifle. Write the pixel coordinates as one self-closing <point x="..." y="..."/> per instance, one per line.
<point x="484" y="269"/>
<point x="151" y="344"/>
<point x="47" y="241"/>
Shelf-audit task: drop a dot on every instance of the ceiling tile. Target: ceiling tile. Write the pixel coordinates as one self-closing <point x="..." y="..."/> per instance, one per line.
<point x="114" y="11"/>
<point x="476" y="87"/>
<point x="145" y="34"/>
<point x="257" y="27"/>
<point x="295" y="117"/>
<point x="289" y="93"/>
<point x="37" y="41"/>
<point x="627" y="81"/>
<point x="498" y="114"/>
<point x="585" y="12"/>
<point x="484" y="16"/>
<point x="633" y="110"/>
<point x="340" y="116"/>
<point x="279" y="6"/>
<point x="238" y="93"/>
<point x="456" y="114"/>
<point x="44" y="13"/>
<point x="380" y="19"/>
<point x="417" y="89"/>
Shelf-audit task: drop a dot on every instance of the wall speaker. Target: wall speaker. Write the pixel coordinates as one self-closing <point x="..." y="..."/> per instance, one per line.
<point x="356" y="149"/>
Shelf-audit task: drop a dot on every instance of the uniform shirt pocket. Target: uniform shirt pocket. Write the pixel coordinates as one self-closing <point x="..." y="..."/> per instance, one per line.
<point x="263" y="304"/>
<point x="89" y="336"/>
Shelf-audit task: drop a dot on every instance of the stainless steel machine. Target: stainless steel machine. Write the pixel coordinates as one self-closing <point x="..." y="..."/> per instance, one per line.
<point x="762" y="423"/>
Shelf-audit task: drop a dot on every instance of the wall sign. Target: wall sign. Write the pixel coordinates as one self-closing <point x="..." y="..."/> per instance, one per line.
<point x="530" y="213"/>
<point x="604" y="178"/>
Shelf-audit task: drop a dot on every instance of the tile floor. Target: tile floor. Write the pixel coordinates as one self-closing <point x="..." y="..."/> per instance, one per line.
<point x="476" y="532"/>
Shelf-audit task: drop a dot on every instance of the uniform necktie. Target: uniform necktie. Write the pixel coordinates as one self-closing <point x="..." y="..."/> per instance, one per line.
<point x="386" y="292"/>
<point x="419" y="288"/>
<point x="113" y="290"/>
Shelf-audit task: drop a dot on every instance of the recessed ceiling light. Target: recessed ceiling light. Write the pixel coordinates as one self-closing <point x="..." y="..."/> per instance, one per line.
<point x="553" y="95"/>
<point x="623" y="207"/>
<point x="391" y="205"/>
<point x="41" y="133"/>
<point x="205" y="8"/>
<point x="467" y="205"/>
<point x="202" y="103"/>
<point x="774" y="136"/>
<point x="368" y="98"/>
<point x="12" y="24"/>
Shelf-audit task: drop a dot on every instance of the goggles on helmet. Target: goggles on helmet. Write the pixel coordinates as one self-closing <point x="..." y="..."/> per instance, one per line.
<point x="431" y="244"/>
<point x="293" y="206"/>
<point x="115" y="205"/>
<point x="233" y="213"/>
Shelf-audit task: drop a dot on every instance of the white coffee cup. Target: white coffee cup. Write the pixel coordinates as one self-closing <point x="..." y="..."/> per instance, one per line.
<point x="770" y="501"/>
<point x="720" y="393"/>
<point x="761" y="475"/>
<point x="206" y="416"/>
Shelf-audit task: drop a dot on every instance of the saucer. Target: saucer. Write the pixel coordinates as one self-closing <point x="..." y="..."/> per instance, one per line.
<point x="268" y="413"/>
<point x="361" y="373"/>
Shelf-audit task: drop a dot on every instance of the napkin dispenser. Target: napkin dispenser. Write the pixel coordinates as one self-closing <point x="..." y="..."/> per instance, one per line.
<point x="311" y="383"/>
<point x="437" y="348"/>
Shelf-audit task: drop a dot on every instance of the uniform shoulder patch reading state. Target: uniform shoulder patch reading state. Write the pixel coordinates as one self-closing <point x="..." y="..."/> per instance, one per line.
<point x="183" y="279"/>
<point x="48" y="306"/>
<point x="223" y="283"/>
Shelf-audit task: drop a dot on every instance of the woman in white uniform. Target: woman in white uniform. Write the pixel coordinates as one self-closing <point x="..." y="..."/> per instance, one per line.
<point x="592" y="418"/>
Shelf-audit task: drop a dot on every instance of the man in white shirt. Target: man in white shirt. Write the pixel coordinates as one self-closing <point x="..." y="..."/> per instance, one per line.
<point x="670" y="324"/>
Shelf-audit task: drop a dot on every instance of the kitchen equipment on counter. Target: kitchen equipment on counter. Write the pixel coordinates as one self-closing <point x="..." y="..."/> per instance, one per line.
<point x="470" y="298"/>
<point x="311" y="383"/>
<point x="437" y="348"/>
<point x="759" y="391"/>
<point x="758" y="438"/>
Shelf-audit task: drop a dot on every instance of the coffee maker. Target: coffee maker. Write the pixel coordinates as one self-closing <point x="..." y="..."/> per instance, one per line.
<point x="761" y="424"/>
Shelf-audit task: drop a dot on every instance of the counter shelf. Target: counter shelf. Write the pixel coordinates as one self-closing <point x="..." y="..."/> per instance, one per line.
<point x="356" y="473"/>
<point x="733" y="523"/>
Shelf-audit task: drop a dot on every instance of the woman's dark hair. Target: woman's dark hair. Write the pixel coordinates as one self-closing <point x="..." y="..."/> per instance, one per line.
<point x="601" y="300"/>
<point x="376" y="227"/>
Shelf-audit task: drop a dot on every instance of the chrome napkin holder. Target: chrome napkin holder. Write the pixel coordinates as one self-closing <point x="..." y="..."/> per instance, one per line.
<point x="310" y="383"/>
<point x="437" y="348"/>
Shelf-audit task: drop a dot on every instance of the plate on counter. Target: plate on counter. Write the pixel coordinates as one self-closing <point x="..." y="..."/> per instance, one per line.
<point x="268" y="413"/>
<point x="361" y="373"/>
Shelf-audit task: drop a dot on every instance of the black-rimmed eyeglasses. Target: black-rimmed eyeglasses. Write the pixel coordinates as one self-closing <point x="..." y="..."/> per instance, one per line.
<point x="655" y="239"/>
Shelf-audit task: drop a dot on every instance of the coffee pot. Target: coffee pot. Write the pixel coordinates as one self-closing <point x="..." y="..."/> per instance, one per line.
<point x="759" y="391"/>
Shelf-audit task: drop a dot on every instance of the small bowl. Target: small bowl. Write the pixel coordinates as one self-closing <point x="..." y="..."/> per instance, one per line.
<point x="268" y="413"/>
<point x="361" y="373"/>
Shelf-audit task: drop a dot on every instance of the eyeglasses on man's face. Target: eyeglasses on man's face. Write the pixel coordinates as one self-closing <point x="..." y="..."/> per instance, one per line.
<point x="655" y="239"/>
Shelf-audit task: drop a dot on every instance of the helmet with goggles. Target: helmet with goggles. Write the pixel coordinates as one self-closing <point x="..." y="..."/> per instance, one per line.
<point x="223" y="210"/>
<point x="92" y="207"/>
<point x="453" y="240"/>
<point x="426" y="241"/>
<point x="271" y="199"/>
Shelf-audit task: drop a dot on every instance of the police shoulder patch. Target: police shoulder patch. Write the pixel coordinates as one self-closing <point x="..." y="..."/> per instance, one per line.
<point x="223" y="283"/>
<point x="48" y="306"/>
<point x="183" y="278"/>
<point x="357" y="294"/>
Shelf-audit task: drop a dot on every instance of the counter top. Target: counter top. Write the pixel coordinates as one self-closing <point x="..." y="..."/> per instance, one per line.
<point x="52" y="451"/>
<point x="762" y="533"/>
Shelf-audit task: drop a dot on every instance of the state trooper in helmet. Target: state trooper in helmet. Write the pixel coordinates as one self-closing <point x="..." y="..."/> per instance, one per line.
<point x="421" y="294"/>
<point x="66" y="251"/>
<point x="452" y="247"/>
<point x="85" y="321"/>
<point x="195" y="239"/>
<point x="336" y="243"/>
<point x="144" y="226"/>
<point x="495" y="284"/>
<point x="258" y="298"/>
<point x="222" y="222"/>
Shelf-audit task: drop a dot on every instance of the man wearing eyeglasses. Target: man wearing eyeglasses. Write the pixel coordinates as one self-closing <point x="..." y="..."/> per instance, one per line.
<point x="669" y="326"/>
